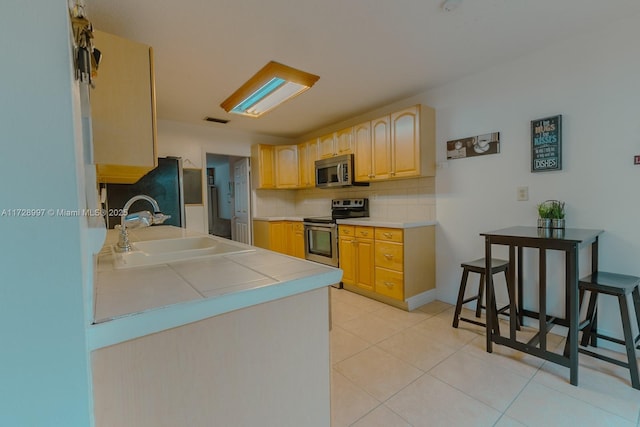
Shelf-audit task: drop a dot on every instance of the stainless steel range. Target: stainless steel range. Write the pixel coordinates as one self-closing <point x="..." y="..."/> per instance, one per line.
<point x="321" y="233"/>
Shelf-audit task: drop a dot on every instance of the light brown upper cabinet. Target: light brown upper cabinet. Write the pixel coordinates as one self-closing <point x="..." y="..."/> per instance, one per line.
<point x="336" y="143"/>
<point x="123" y="110"/>
<point x="286" y="166"/>
<point x="262" y="166"/>
<point x="307" y="156"/>
<point x="401" y="145"/>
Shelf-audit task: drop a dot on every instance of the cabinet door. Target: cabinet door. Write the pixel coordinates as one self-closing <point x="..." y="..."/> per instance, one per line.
<point x="278" y="236"/>
<point x="347" y="252"/>
<point x="298" y="240"/>
<point x="344" y="141"/>
<point x="307" y="156"/>
<point x="123" y="111"/>
<point x="362" y="147"/>
<point x="326" y="146"/>
<point x="262" y="161"/>
<point x="381" y="148"/>
<point x="286" y="171"/>
<point x="365" y="264"/>
<point x="405" y="142"/>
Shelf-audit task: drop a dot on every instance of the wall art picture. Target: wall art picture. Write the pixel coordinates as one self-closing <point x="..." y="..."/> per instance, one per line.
<point x="546" y="144"/>
<point x="488" y="143"/>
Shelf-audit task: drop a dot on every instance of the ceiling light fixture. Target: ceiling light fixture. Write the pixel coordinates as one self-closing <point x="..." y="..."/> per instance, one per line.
<point x="271" y="86"/>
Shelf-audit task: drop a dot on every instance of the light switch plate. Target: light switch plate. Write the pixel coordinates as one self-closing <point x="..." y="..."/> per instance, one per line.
<point x="523" y="194"/>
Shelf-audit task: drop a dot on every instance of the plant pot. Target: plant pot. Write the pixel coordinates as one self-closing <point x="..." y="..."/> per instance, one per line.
<point x="557" y="223"/>
<point x="544" y="232"/>
<point x="544" y="223"/>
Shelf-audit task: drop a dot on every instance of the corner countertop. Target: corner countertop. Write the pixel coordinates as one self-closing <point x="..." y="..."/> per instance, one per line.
<point x="386" y="222"/>
<point x="133" y="302"/>
<point x="278" y="218"/>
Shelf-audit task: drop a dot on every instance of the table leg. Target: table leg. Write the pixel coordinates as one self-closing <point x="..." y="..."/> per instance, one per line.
<point x="520" y="291"/>
<point x="572" y="284"/>
<point x="489" y="293"/>
<point x="513" y="314"/>
<point x="542" y="300"/>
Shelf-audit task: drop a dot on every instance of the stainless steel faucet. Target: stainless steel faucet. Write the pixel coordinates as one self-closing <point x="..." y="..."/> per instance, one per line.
<point x="137" y="220"/>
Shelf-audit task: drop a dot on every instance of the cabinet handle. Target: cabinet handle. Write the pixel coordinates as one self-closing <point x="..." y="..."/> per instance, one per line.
<point x="388" y="256"/>
<point x="388" y="235"/>
<point x="393" y="174"/>
<point x="389" y="284"/>
<point x="364" y="233"/>
<point x="371" y="175"/>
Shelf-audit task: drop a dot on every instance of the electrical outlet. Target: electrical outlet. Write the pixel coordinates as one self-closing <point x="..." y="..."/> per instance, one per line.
<point x="523" y="194"/>
<point x="636" y="160"/>
<point x="374" y="196"/>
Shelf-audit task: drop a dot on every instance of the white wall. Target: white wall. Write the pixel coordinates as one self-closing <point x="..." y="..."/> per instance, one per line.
<point x="593" y="82"/>
<point x="192" y="142"/>
<point x="44" y="369"/>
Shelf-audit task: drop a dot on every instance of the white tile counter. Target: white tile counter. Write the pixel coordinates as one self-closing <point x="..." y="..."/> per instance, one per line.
<point x="135" y="302"/>
<point x="386" y="222"/>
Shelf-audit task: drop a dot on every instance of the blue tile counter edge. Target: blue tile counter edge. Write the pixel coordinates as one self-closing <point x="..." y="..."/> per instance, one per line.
<point x="390" y="223"/>
<point x="159" y="319"/>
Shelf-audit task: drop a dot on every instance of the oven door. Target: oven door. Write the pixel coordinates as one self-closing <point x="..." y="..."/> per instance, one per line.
<point x="321" y="243"/>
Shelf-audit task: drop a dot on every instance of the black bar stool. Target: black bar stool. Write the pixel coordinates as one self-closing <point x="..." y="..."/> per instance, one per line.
<point x="478" y="266"/>
<point x="621" y="286"/>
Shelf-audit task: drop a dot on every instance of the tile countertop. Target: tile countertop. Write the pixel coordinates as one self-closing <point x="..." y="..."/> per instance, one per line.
<point x="389" y="223"/>
<point x="134" y="302"/>
<point x="279" y="218"/>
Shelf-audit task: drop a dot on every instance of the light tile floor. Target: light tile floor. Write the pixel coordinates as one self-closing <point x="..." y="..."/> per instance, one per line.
<point x="392" y="368"/>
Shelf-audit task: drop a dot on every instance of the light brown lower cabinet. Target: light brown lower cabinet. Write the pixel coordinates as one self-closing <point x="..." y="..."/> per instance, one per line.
<point x="286" y="237"/>
<point x="391" y="265"/>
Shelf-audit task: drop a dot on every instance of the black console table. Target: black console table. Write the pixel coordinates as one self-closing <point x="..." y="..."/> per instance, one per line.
<point x="570" y="241"/>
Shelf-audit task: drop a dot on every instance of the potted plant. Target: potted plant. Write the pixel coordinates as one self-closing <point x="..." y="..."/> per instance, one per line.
<point x="544" y="215"/>
<point x="557" y="214"/>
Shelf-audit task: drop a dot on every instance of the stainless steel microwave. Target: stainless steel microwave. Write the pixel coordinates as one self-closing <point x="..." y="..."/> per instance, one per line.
<point x="336" y="172"/>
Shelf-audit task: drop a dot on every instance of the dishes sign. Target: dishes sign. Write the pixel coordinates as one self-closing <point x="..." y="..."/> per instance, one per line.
<point x="489" y="143"/>
<point x="546" y="144"/>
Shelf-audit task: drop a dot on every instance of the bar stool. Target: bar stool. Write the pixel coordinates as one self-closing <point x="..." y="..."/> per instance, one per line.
<point x="478" y="266"/>
<point x="621" y="286"/>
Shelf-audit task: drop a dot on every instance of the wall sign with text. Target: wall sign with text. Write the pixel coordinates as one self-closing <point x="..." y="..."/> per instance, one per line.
<point x="546" y="144"/>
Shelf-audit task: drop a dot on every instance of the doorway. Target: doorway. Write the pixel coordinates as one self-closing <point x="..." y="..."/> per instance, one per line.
<point x="228" y="197"/>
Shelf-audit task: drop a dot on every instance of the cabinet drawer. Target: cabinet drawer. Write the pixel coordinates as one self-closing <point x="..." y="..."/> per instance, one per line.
<point x="389" y="234"/>
<point x="346" y="230"/>
<point x="364" y="232"/>
<point x="390" y="255"/>
<point x="389" y="283"/>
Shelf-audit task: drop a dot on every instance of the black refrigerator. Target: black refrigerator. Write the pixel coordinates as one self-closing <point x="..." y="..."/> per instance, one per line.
<point x="164" y="184"/>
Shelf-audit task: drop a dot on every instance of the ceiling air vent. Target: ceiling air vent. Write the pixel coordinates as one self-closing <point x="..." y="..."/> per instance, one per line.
<point x="214" y="120"/>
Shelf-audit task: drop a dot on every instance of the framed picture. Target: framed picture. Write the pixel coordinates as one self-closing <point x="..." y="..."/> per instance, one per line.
<point x="546" y="144"/>
<point x="480" y="145"/>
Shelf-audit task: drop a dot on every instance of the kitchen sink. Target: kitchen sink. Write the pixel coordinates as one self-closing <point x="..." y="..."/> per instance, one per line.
<point x="152" y="252"/>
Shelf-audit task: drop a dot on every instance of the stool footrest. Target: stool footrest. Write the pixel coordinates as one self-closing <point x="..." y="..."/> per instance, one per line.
<point x="475" y="322"/>
<point x="603" y="357"/>
<point x="470" y="299"/>
<point x="610" y="339"/>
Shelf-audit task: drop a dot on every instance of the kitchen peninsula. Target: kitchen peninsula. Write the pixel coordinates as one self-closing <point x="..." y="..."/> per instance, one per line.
<point x="228" y="339"/>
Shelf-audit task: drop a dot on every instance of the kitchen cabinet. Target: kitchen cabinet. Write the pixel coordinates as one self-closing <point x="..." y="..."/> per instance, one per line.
<point x="307" y="156"/>
<point x="389" y="262"/>
<point x="391" y="265"/>
<point x="286" y="237"/>
<point x="336" y="143"/>
<point x="362" y="147"/>
<point x="357" y="256"/>
<point x="263" y="166"/>
<point x="400" y="145"/>
<point x="286" y="166"/>
<point x="123" y="113"/>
